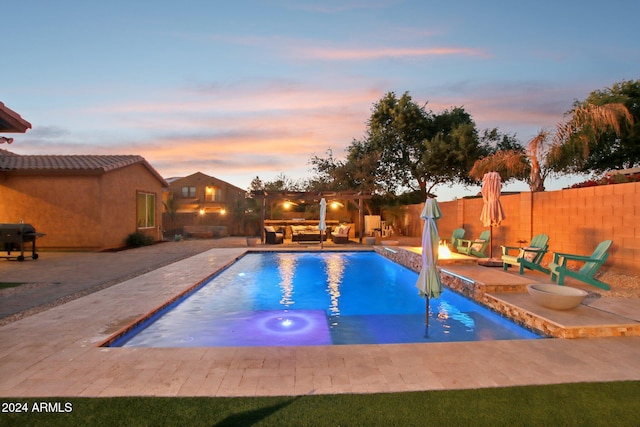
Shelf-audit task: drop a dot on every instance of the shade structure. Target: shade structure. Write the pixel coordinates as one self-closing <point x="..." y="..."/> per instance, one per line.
<point x="492" y="214"/>
<point x="429" y="284"/>
<point x="322" y="225"/>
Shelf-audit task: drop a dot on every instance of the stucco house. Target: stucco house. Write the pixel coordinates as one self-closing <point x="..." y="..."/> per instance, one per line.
<point x="81" y="202"/>
<point x="200" y="199"/>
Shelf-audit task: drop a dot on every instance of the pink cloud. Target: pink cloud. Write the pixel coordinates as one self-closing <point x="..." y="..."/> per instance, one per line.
<point x="245" y="129"/>
<point x="381" y="53"/>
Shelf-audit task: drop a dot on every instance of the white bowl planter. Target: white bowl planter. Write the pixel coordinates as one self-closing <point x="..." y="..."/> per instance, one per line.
<point x="556" y="297"/>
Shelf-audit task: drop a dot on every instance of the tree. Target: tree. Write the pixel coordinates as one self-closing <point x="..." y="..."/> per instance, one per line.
<point x="417" y="149"/>
<point x="506" y="156"/>
<point x="256" y="184"/>
<point x="564" y="151"/>
<point x="617" y="148"/>
<point x="510" y="164"/>
<point x="356" y="172"/>
<point x="396" y="131"/>
<point x="573" y="143"/>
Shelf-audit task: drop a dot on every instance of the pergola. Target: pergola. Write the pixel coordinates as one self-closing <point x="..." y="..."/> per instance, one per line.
<point x="355" y="197"/>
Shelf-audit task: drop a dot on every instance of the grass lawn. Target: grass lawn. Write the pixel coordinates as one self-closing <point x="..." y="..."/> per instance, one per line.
<point x="582" y="404"/>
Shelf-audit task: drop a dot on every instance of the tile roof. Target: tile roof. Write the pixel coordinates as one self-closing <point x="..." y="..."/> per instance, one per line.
<point x="65" y="163"/>
<point x="10" y="121"/>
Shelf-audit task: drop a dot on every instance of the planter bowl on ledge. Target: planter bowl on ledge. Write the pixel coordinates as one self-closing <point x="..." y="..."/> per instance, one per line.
<point x="555" y="296"/>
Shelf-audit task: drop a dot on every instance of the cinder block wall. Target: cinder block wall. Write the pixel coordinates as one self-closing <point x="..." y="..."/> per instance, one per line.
<point x="576" y="220"/>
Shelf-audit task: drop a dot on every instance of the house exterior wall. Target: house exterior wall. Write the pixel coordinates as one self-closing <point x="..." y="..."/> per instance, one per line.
<point x="119" y="204"/>
<point x="576" y="220"/>
<point x="79" y="212"/>
<point x="218" y="212"/>
<point x="66" y="208"/>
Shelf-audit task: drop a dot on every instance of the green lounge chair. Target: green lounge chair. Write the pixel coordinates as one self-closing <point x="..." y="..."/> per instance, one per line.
<point x="474" y="247"/>
<point x="529" y="257"/>
<point x="457" y="235"/>
<point x="586" y="274"/>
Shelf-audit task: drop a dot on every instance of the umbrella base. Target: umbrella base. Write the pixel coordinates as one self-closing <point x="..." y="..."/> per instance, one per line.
<point x="490" y="262"/>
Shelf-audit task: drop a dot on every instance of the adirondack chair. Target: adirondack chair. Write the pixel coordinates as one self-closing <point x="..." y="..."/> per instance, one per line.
<point x="474" y="247"/>
<point x="457" y="234"/>
<point x="586" y="274"/>
<point x="529" y="257"/>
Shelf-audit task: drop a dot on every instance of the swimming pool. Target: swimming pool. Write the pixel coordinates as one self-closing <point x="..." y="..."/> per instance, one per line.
<point x="316" y="298"/>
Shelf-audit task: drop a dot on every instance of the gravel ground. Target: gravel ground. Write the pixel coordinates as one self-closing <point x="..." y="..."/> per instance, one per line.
<point x="622" y="285"/>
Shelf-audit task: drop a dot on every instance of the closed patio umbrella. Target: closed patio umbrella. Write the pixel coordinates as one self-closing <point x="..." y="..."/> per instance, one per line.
<point x="492" y="213"/>
<point x="429" y="284"/>
<point x="322" y="225"/>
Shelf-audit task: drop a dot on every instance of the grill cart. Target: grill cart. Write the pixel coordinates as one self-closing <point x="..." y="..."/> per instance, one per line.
<point x="13" y="238"/>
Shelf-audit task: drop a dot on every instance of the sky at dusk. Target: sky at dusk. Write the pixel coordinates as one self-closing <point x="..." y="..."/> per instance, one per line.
<point x="256" y="88"/>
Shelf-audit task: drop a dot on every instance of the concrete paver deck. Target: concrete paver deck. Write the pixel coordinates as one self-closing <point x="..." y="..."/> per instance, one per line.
<point x="55" y="352"/>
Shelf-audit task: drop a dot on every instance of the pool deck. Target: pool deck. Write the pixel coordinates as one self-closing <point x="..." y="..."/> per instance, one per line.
<point x="54" y="352"/>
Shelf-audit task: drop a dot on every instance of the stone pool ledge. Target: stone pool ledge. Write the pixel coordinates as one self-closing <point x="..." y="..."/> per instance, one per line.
<point x="506" y="294"/>
<point x="581" y="322"/>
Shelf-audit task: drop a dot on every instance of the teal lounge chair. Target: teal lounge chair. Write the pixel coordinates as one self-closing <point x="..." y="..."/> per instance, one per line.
<point x="475" y="247"/>
<point x="457" y="235"/>
<point x="529" y="257"/>
<point x="586" y="274"/>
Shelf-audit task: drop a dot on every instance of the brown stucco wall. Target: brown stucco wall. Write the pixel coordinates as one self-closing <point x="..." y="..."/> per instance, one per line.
<point x="576" y="220"/>
<point x="79" y="212"/>
<point x="118" y="207"/>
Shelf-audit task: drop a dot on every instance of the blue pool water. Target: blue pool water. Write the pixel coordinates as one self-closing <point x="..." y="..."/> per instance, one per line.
<point x="292" y="298"/>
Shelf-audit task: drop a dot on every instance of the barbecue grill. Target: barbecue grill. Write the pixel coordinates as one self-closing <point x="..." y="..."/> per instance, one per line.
<point x="13" y="238"/>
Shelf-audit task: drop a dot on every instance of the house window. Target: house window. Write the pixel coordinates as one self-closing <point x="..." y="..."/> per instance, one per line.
<point x="212" y="194"/>
<point x="188" y="192"/>
<point x="146" y="210"/>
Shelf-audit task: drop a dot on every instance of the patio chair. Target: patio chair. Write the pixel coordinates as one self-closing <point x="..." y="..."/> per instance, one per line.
<point x="592" y="264"/>
<point x="474" y="247"/>
<point x="341" y="234"/>
<point x="529" y="257"/>
<point x="273" y="237"/>
<point x="457" y="234"/>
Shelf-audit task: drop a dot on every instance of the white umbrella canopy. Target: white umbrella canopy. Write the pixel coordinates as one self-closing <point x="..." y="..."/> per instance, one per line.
<point x="322" y="225"/>
<point x="492" y="213"/>
<point x="429" y="284"/>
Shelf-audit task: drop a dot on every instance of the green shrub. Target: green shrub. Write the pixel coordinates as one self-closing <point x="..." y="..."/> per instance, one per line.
<point x="138" y="239"/>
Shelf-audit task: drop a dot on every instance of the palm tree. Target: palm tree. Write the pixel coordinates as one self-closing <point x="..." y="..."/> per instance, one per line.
<point x="573" y="140"/>
<point x="558" y="152"/>
<point x="510" y="164"/>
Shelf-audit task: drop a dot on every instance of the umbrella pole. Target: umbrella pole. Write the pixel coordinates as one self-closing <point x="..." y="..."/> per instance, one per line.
<point x="426" y="317"/>
<point x="491" y="241"/>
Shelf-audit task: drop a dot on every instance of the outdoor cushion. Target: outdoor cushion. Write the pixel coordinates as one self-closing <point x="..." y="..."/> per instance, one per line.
<point x="528" y="255"/>
<point x="477" y="244"/>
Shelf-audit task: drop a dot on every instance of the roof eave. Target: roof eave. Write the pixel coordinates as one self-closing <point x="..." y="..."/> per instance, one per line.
<point x="12" y="122"/>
